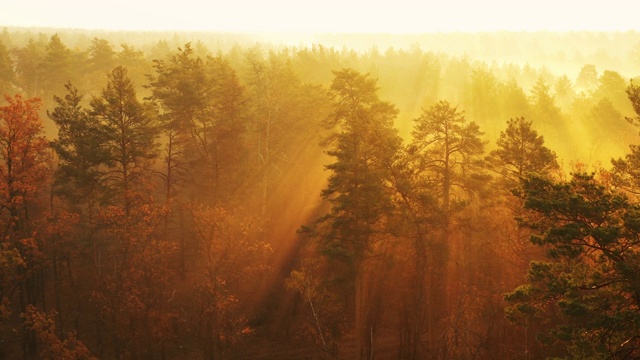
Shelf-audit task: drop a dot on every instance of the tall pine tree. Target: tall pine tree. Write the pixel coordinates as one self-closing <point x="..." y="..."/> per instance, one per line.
<point x="364" y="142"/>
<point x="128" y="131"/>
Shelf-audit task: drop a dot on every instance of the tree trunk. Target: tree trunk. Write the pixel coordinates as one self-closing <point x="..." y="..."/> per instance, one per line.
<point x="360" y="327"/>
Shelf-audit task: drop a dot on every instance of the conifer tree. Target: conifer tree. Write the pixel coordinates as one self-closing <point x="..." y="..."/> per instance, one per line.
<point x="626" y="171"/>
<point x="446" y="154"/>
<point x="56" y="66"/>
<point x="28" y="71"/>
<point x="200" y="103"/>
<point x="521" y="151"/>
<point x="364" y="142"/>
<point x="447" y="151"/>
<point x="7" y="73"/>
<point x="79" y="147"/>
<point x="128" y="131"/>
<point x="589" y="284"/>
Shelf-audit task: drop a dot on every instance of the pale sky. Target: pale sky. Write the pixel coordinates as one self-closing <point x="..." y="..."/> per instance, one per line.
<point x="377" y="16"/>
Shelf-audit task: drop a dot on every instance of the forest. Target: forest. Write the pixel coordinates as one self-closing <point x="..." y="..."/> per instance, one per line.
<point x="226" y="196"/>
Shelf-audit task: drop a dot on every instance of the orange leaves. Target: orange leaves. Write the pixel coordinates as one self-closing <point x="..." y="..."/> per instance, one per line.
<point x="229" y="241"/>
<point x="30" y="249"/>
<point x="133" y="223"/>
<point x="11" y="264"/>
<point x="137" y="282"/>
<point x="22" y="145"/>
<point x="9" y="258"/>
<point x="43" y="326"/>
<point x="208" y="219"/>
<point x="20" y="119"/>
<point x="55" y="231"/>
<point x="233" y="260"/>
<point x="23" y="155"/>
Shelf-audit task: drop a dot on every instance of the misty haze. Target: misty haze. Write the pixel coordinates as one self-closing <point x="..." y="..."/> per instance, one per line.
<point x="233" y="193"/>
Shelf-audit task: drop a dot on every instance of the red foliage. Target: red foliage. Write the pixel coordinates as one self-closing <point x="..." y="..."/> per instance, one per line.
<point x="135" y="287"/>
<point x="23" y="155"/>
<point x="43" y="326"/>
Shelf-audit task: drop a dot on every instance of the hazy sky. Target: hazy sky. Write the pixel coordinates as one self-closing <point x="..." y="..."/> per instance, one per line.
<point x="399" y="16"/>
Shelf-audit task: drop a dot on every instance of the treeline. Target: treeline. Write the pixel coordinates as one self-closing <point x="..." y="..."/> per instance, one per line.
<point x="584" y="91"/>
<point x="558" y="50"/>
<point x="158" y="219"/>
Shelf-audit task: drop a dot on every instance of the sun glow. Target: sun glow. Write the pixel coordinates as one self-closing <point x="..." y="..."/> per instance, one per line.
<point x="352" y="16"/>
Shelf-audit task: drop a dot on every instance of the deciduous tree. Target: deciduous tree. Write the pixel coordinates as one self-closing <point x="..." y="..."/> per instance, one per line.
<point x="23" y="172"/>
<point x="134" y="279"/>
<point x="51" y="347"/>
<point x="23" y="158"/>
<point x="233" y="261"/>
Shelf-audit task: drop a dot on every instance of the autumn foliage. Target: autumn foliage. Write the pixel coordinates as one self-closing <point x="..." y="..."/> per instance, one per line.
<point x="169" y="202"/>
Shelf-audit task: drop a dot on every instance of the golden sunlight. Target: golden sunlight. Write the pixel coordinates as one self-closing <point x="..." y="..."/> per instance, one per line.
<point x="355" y="16"/>
<point x="319" y="179"/>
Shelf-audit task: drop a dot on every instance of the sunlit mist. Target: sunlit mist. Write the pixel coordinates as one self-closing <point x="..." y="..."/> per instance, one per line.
<point x="414" y="180"/>
<point x="332" y="16"/>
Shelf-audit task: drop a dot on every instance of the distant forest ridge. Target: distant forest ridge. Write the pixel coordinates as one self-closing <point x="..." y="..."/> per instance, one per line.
<point x="492" y="76"/>
<point x="619" y="50"/>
